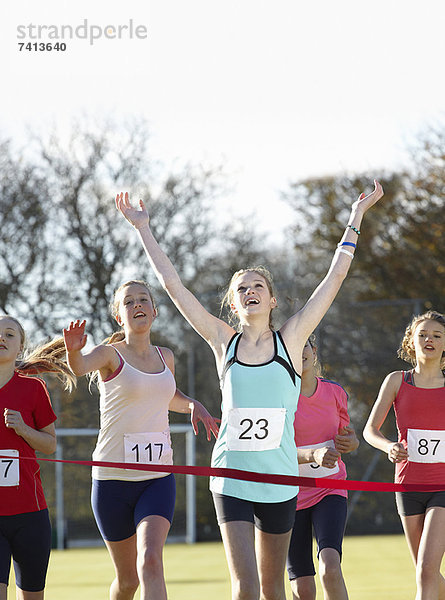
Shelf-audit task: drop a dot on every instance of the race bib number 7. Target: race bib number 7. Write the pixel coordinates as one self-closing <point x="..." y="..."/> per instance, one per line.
<point x="255" y="429"/>
<point x="426" y="446"/>
<point x="9" y="468"/>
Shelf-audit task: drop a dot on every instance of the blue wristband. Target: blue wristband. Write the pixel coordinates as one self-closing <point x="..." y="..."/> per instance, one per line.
<point x="347" y="244"/>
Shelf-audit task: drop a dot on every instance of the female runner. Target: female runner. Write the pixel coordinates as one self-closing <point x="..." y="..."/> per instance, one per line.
<point x="27" y="425"/>
<point x="322" y="434"/>
<point x="418" y="397"/>
<point x="134" y="509"/>
<point x="259" y="373"/>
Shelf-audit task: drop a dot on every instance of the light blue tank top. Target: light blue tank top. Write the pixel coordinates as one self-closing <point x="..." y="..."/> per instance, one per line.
<point x="257" y="424"/>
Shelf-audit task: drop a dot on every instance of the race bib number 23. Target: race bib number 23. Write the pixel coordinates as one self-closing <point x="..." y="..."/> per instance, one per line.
<point x="255" y="429"/>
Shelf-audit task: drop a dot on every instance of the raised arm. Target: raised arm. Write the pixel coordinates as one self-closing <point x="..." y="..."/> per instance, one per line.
<point x="297" y="329"/>
<point x="101" y="358"/>
<point x="213" y="330"/>
<point x="395" y="450"/>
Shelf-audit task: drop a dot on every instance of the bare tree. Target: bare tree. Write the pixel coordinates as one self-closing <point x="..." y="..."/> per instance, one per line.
<point x="24" y="254"/>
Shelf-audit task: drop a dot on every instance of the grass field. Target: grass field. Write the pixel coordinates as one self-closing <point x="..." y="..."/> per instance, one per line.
<point x="374" y="567"/>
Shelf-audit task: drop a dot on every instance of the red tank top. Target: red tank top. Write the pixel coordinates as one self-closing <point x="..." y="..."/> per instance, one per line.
<point x="420" y="409"/>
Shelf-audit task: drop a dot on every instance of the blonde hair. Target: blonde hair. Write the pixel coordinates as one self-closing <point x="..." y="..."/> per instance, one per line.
<point x="48" y="357"/>
<point x="406" y="351"/>
<point x="229" y="296"/>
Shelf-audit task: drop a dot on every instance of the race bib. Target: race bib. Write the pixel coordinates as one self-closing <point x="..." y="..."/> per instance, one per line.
<point x="426" y="446"/>
<point x="255" y="429"/>
<point x="313" y="469"/>
<point x="147" y="448"/>
<point x="9" y="468"/>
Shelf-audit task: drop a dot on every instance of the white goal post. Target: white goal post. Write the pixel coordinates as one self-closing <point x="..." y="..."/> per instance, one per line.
<point x="190" y="481"/>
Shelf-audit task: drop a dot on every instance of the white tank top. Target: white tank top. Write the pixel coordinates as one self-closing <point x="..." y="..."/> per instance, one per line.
<point x="134" y="423"/>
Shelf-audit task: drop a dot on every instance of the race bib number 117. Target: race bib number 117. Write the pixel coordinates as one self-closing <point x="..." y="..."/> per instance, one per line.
<point x="147" y="448"/>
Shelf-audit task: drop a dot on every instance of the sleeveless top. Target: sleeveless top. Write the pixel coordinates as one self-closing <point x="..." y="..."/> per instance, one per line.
<point x="134" y="424"/>
<point x="257" y="431"/>
<point x="420" y="418"/>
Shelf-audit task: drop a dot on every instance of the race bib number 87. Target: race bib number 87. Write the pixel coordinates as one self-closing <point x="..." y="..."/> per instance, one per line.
<point x="255" y="429"/>
<point x="9" y="468"/>
<point x="426" y="446"/>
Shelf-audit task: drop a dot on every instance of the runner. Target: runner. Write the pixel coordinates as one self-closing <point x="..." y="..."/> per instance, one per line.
<point x="418" y="397"/>
<point x="27" y="425"/>
<point x="322" y="434"/>
<point x="259" y="373"/>
<point x="134" y="509"/>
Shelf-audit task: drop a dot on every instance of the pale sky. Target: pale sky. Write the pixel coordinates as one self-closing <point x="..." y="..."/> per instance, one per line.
<point x="276" y="90"/>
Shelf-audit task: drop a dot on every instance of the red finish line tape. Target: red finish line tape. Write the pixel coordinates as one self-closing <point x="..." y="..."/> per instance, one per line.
<point x="325" y="483"/>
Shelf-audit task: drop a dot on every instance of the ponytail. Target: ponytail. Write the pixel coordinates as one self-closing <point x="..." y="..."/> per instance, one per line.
<point x="48" y="358"/>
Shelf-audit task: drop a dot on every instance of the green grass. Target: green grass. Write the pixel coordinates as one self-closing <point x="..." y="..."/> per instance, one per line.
<point x="374" y="567"/>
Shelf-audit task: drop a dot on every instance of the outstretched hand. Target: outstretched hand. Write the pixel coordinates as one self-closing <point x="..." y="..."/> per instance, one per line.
<point x="365" y="202"/>
<point x="138" y="217"/>
<point x="200" y="413"/>
<point x="75" y="337"/>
